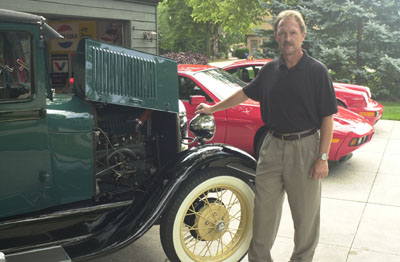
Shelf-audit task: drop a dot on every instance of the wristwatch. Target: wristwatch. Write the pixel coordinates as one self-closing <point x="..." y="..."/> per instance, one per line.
<point x="323" y="156"/>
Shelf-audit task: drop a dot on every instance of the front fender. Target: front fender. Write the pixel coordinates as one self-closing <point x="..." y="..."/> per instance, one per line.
<point x="210" y="155"/>
<point x="138" y="219"/>
<point x="189" y="161"/>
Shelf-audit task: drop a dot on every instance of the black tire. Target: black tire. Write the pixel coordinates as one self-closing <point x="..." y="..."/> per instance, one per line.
<point x="211" y="211"/>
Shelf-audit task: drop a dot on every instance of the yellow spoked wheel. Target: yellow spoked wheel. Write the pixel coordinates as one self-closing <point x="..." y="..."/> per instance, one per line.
<point x="210" y="220"/>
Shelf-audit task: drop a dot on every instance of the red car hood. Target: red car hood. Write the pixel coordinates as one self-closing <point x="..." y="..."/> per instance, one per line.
<point x="353" y="87"/>
<point x="346" y="121"/>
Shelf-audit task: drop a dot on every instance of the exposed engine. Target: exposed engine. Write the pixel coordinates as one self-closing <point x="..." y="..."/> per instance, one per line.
<point x="129" y="146"/>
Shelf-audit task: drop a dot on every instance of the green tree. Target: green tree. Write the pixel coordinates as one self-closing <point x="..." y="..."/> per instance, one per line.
<point x="234" y="16"/>
<point x="357" y="40"/>
<point x="230" y="16"/>
<point x="177" y="29"/>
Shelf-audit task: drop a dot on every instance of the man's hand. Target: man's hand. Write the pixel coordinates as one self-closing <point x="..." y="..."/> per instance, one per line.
<point x="320" y="169"/>
<point x="238" y="97"/>
<point x="204" y="109"/>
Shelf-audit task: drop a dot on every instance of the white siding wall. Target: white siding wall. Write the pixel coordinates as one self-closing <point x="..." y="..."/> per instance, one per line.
<point x="140" y="16"/>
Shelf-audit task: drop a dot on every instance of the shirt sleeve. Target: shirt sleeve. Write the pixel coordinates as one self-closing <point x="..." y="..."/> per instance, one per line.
<point x="253" y="88"/>
<point x="327" y="97"/>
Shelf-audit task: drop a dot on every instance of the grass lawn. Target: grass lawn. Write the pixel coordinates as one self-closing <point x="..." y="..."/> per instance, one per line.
<point x="391" y="110"/>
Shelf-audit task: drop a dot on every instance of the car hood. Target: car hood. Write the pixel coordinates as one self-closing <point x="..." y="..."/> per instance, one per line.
<point x="347" y="92"/>
<point x="353" y="87"/>
<point x="347" y="121"/>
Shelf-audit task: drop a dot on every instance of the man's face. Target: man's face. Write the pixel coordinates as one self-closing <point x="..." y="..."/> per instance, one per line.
<point x="289" y="36"/>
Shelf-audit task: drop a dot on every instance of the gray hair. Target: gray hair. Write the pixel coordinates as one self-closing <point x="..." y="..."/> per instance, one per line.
<point x="290" y="13"/>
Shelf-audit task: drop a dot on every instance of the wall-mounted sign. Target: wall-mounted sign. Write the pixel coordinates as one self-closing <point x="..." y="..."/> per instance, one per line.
<point x="60" y="66"/>
<point x="60" y="70"/>
<point x="72" y="31"/>
<point x="112" y="33"/>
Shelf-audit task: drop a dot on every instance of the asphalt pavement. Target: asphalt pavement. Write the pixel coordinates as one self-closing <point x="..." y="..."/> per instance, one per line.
<point x="360" y="210"/>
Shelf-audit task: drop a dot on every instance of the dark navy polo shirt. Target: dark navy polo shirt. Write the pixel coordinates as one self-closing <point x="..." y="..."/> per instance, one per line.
<point x="296" y="99"/>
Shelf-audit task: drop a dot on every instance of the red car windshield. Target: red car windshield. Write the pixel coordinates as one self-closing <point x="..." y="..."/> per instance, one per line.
<point x="219" y="82"/>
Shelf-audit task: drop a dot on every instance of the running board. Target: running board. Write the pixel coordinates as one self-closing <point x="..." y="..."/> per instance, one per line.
<point x="50" y="254"/>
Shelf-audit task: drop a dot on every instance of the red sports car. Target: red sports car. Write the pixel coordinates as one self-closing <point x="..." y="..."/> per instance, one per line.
<point x="242" y="126"/>
<point x="353" y="97"/>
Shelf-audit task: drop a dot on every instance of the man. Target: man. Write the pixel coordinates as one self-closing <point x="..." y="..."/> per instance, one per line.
<point x="296" y="99"/>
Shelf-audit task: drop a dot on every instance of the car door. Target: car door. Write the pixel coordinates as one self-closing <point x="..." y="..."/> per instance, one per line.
<point x="25" y="179"/>
<point x="243" y="123"/>
<point x="188" y="88"/>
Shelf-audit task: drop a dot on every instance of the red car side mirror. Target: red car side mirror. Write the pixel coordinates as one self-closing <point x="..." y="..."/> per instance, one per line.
<point x="195" y="100"/>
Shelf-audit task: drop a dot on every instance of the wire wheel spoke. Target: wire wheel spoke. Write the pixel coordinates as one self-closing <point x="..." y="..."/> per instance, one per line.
<point x="222" y="232"/>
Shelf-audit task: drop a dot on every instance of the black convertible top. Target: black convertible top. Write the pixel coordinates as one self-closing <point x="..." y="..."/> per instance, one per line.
<point x="19" y="17"/>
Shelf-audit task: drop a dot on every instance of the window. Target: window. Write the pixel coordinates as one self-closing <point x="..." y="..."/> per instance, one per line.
<point x="188" y="88"/>
<point x="219" y="83"/>
<point x="234" y="72"/>
<point x="15" y="65"/>
<point x="254" y="46"/>
<point x="248" y="73"/>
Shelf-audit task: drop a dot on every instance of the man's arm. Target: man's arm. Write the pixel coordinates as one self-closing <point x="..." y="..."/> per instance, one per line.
<point x="320" y="168"/>
<point x="229" y="102"/>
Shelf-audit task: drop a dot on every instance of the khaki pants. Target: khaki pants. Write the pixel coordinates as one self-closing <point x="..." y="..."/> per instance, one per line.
<point x="285" y="166"/>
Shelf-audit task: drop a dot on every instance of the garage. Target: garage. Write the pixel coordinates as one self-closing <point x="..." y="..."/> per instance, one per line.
<point x="126" y="23"/>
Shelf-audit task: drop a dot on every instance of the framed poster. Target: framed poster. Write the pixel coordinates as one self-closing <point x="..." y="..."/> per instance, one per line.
<point x="60" y="70"/>
<point x="72" y="31"/>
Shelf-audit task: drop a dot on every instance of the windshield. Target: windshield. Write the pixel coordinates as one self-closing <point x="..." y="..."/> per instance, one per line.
<point x="219" y="82"/>
<point x="15" y="65"/>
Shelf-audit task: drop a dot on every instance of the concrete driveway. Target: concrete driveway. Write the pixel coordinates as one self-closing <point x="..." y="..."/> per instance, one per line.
<point x="360" y="210"/>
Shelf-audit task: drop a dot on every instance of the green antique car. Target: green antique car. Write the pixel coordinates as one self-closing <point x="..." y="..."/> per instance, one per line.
<point x="86" y="173"/>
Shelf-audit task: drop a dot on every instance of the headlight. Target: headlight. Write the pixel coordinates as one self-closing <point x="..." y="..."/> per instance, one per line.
<point x="203" y="127"/>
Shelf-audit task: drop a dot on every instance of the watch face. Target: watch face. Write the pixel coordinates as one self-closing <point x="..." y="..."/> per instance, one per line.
<point x="323" y="156"/>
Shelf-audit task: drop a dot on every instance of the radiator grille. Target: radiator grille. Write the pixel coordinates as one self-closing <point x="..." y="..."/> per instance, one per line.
<point x="118" y="75"/>
<point x="121" y="74"/>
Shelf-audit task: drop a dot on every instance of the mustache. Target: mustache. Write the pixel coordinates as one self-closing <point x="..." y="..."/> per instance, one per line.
<point x="287" y="43"/>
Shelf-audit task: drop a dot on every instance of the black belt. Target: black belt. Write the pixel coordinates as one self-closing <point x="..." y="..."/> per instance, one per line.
<point x="293" y="136"/>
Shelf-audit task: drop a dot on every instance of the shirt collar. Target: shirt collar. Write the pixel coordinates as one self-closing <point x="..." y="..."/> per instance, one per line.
<point x="300" y="65"/>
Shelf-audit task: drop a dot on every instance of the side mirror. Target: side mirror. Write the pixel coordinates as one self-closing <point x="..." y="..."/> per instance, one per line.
<point x="196" y="100"/>
<point x="203" y="127"/>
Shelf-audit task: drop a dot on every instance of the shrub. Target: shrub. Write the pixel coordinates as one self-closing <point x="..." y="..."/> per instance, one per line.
<point x="241" y="52"/>
<point x="188" y="58"/>
<point x="220" y="55"/>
